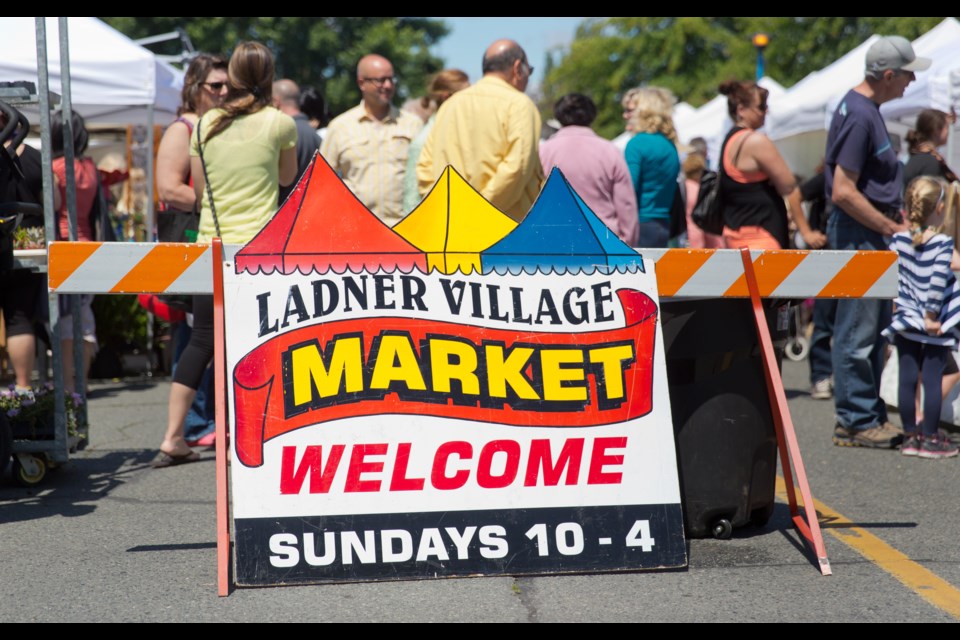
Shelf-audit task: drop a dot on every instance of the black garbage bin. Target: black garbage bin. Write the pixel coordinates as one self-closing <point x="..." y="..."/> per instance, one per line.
<point x="725" y="434"/>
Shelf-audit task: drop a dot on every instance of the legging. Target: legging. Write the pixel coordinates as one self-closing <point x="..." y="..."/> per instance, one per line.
<point x="917" y="360"/>
<point x="199" y="352"/>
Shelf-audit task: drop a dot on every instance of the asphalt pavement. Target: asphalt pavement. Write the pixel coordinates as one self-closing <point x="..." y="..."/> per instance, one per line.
<point x="106" y="538"/>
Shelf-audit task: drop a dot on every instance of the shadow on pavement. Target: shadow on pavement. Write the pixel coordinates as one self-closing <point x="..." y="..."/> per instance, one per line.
<point x="105" y="389"/>
<point x="72" y="489"/>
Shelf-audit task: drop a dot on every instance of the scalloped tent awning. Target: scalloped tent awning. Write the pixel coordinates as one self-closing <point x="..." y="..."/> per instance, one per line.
<point x="563" y="234"/>
<point x="323" y="226"/>
<point x="453" y="224"/>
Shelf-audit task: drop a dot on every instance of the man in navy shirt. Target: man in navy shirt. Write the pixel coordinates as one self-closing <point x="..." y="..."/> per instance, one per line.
<point x="863" y="182"/>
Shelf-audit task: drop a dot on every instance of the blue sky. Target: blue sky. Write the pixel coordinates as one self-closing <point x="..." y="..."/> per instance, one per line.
<point x="463" y="48"/>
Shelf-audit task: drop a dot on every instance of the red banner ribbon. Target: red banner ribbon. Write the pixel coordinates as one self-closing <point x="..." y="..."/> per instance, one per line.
<point x="392" y="365"/>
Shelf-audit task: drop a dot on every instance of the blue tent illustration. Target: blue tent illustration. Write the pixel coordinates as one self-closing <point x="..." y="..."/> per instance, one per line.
<point x="561" y="233"/>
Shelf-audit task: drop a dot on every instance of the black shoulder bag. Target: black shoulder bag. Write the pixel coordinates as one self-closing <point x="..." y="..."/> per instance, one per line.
<point x="177" y="225"/>
<point x="708" y="211"/>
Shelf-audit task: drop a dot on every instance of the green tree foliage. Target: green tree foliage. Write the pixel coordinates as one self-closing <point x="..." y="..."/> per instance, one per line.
<point x="322" y="52"/>
<point x="691" y="56"/>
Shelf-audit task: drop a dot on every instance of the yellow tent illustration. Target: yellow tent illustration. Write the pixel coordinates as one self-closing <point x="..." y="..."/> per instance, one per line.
<point x="453" y="224"/>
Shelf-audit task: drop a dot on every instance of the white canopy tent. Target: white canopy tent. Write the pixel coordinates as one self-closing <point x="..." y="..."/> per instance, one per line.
<point x="712" y="122"/>
<point x="799" y="127"/>
<point x="113" y="80"/>
<point x="939" y="86"/>
<point x="803" y="108"/>
<point x="683" y="110"/>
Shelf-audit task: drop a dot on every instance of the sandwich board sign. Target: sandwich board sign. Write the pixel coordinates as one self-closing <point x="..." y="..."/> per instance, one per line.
<point x="459" y="395"/>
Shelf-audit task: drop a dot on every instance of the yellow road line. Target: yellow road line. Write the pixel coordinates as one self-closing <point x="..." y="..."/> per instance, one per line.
<point x="924" y="582"/>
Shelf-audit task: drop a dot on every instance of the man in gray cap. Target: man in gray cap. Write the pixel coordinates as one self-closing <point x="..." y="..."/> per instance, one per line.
<point x="863" y="181"/>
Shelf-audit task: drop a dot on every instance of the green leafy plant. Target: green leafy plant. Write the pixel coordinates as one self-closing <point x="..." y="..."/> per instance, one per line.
<point x="31" y="413"/>
<point x="29" y="238"/>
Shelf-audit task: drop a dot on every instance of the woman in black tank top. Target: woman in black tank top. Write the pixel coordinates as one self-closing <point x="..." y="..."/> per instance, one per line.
<point x="755" y="178"/>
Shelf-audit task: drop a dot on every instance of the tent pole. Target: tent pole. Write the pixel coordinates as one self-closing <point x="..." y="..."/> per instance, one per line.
<point x="78" y="384"/>
<point x="50" y="222"/>
<point x="149" y="171"/>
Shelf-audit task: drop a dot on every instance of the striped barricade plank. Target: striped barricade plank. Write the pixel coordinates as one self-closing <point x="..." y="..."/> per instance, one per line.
<point x="138" y="267"/>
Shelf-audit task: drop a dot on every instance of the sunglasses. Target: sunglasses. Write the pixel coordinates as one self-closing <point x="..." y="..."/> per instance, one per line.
<point x="379" y="82"/>
<point x="216" y="86"/>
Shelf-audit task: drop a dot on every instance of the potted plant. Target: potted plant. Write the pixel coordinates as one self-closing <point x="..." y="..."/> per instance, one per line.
<point x="31" y="413"/>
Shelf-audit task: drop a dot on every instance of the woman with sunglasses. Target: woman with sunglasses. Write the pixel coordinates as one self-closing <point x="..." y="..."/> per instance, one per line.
<point x="204" y="86"/>
<point x="755" y="179"/>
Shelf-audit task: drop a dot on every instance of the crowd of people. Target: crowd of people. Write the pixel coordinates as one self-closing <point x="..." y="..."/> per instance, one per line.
<point x="243" y="138"/>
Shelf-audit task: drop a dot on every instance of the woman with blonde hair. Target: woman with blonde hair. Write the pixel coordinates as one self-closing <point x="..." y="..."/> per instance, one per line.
<point x="654" y="163"/>
<point x="442" y="85"/>
<point x="756" y="179"/>
<point x="240" y="154"/>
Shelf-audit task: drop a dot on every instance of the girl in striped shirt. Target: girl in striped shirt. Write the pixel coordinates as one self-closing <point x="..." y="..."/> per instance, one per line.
<point x="924" y="327"/>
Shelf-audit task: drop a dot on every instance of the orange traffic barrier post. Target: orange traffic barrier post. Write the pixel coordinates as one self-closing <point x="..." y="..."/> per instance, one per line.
<point x="220" y="380"/>
<point x="807" y="525"/>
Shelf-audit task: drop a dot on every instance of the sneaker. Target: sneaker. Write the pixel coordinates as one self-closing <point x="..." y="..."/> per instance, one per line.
<point x="822" y="390"/>
<point x="911" y="445"/>
<point x="842" y="437"/>
<point x="892" y="428"/>
<point x="878" y="437"/>
<point x="937" y="447"/>
<point x="208" y="440"/>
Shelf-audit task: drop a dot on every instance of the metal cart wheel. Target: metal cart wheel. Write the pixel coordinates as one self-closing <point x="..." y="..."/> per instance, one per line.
<point x="28" y="469"/>
<point x="797" y="348"/>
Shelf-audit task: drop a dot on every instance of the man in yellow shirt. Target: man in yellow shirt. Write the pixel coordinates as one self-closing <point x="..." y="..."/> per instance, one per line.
<point x="489" y="133"/>
<point x="368" y="144"/>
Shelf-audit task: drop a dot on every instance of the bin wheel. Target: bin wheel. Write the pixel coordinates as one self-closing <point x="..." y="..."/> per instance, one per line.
<point x="797" y="348"/>
<point x="29" y="472"/>
<point x="722" y="529"/>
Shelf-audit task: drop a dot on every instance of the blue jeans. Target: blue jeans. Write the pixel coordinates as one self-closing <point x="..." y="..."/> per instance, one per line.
<point x="201" y="419"/>
<point x="821" y="358"/>
<point x="858" y="347"/>
<point x="654" y="233"/>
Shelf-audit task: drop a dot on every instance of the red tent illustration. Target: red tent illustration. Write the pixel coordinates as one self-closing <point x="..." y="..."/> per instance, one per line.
<point x="321" y="226"/>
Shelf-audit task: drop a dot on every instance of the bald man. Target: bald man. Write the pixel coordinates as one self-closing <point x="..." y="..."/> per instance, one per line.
<point x="286" y="98"/>
<point x="489" y="133"/>
<point x="368" y="145"/>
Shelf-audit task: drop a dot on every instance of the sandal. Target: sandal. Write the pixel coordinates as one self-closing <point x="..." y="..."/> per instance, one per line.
<point x="165" y="459"/>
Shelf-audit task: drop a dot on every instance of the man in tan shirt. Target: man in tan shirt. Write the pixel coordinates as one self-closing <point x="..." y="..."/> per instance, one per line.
<point x="489" y="134"/>
<point x="368" y="144"/>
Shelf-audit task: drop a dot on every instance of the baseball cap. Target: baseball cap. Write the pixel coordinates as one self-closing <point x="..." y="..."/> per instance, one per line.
<point x="894" y="52"/>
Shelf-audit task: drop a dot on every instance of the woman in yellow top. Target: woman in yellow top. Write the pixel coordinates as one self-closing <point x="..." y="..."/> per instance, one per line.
<point x="249" y="150"/>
